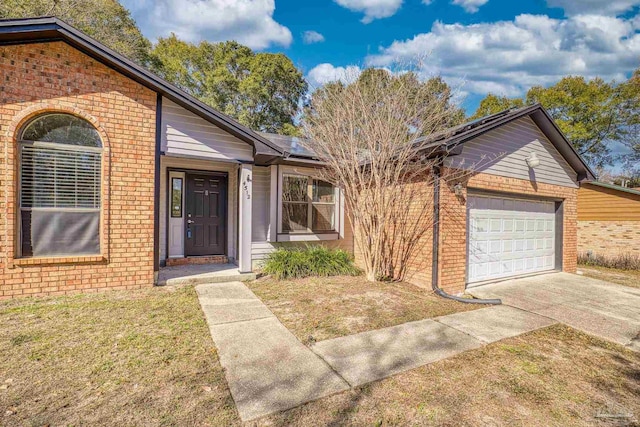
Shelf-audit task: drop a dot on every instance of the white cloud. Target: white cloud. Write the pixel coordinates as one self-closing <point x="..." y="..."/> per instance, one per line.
<point x="325" y="73"/>
<point x="310" y="37"/>
<point x="604" y="7"/>
<point x="373" y="9"/>
<point x="471" y="6"/>
<point x="249" y="22"/>
<point x="508" y="57"/>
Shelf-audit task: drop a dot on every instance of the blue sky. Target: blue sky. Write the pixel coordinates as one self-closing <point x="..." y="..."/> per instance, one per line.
<point x="478" y="46"/>
<point x="502" y="47"/>
<point x="348" y="41"/>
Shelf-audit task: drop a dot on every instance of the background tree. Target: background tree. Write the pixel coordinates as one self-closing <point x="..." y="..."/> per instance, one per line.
<point x="433" y="90"/>
<point x="629" y="180"/>
<point x="587" y="112"/>
<point x="438" y="88"/>
<point x="492" y="104"/>
<point x="260" y="90"/>
<point x="175" y="60"/>
<point x="629" y="95"/>
<point x="368" y="134"/>
<point x="105" y="20"/>
<point x="591" y="113"/>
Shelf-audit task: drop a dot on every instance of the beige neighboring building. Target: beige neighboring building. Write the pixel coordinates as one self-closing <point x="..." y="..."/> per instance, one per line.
<point x="608" y="219"/>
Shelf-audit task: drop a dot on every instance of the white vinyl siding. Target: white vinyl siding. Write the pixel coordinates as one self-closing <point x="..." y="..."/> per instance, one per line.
<point x="264" y="200"/>
<point x="509" y="237"/>
<point x="260" y="250"/>
<point x="186" y="134"/>
<point x="503" y="151"/>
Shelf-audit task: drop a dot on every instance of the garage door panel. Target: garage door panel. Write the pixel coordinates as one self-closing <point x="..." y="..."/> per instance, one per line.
<point x="509" y="237"/>
<point x="518" y="265"/>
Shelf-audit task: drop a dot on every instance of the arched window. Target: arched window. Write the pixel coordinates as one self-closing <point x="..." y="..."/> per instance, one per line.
<point x="60" y="165"/>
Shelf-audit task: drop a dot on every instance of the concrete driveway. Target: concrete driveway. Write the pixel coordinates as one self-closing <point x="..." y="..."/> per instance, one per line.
<point x="599" y="308"/>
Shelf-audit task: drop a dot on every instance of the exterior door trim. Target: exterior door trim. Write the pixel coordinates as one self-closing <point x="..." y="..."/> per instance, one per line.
<point x="168" y="204"/>
<point x="173" y="222"/>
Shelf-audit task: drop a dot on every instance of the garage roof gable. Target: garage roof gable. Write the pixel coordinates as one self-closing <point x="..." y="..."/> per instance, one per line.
<point x="456" y="136"/>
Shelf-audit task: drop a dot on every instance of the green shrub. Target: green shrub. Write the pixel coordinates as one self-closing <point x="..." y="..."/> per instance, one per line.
<point x="291" y="263"/>
<point x="624" y="261"/>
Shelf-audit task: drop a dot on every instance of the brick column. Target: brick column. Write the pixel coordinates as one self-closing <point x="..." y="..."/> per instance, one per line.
<point x="453" y="240"/>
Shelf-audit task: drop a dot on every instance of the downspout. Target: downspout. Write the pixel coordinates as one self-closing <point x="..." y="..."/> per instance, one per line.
<point x="156" y="191"/>
<point x="437" y="172"/>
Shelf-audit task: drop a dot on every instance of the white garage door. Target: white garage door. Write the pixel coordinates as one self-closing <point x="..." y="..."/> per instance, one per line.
<point x="509" y="237"/>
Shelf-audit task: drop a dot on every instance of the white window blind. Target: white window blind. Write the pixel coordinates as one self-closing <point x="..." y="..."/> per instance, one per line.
<point x="59" y="177"/>
<point x="60" y="164"/>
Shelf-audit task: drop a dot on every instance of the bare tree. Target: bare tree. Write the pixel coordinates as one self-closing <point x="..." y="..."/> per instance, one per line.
<point x="376" y="137"/>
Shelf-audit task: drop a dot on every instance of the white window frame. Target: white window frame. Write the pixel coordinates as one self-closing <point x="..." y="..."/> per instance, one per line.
<point x="306" y="235"/>
<point x="20" y="208"/>
<point x="175" y="246"/>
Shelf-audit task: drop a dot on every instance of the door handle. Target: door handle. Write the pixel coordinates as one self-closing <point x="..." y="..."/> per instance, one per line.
<point x="190" y="222"/>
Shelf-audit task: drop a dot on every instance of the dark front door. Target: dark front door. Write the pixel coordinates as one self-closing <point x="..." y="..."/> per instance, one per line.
<point x="206" y="202"/>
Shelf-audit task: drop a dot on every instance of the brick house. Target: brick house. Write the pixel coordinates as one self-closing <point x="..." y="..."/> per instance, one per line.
<point x="110" y="173"/>
<point x="608" y="219"/>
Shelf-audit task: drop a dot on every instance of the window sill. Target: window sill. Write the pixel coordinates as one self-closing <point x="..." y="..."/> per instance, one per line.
<point x="81" y="259"/>
<point x="308" y="237"/>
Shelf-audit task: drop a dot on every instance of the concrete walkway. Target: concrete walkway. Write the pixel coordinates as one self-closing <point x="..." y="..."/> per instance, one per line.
<point x="269" y="370"/>
<point x="196" y="274"/>
<point x="593" y="306"/>
<point x="377" y="354"/>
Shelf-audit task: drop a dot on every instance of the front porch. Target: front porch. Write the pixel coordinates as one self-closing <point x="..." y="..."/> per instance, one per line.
<point x="195" y="274"/>
<point x="220" y="197"/>
<point x="205" y="217"/>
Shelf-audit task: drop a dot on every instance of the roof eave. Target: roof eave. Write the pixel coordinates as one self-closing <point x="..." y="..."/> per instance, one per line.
<point x="583" y="171"/>
<point x="473" y="133"/>
<point x="48" y="29"/>
<point x="614" y="187"/>
<point x="300" y="161"/>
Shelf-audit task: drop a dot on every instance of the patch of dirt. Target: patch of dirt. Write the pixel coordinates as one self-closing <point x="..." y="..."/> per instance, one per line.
<point x="326" y="307"/>
<point x="354" y="322"/>
<point x="621" y="277"/>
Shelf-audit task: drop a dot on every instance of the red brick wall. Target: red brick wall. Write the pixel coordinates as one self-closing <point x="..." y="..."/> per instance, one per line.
<point x="418" y="270"/>
<point x="453" y="226"/>
<point x="419" y="216"/>
<point x="453" y="230"/>
<point x="36" y="78"/>
<point x="452" y="258"/>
